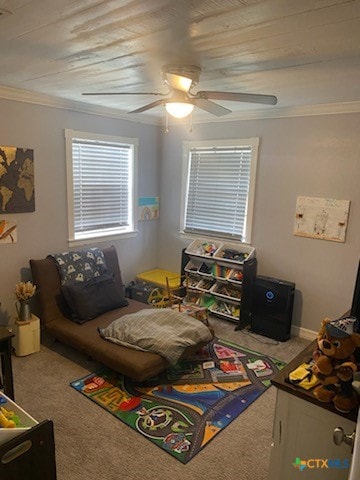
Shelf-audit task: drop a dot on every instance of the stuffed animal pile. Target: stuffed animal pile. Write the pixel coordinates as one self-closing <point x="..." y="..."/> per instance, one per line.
<point x="335" y="362"/>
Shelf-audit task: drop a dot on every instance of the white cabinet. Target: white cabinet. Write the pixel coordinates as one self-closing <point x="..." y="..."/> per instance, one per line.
<point x="223" y="275"/>
<point x="303" y="432"/>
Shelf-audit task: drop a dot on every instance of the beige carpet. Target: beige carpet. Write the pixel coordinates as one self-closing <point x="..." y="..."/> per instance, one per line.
<point x="90" y="443"/>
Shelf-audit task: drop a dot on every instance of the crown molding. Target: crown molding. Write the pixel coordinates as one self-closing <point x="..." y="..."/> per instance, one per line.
<point x="18" y="95"/>
<point x="285" y="112"/>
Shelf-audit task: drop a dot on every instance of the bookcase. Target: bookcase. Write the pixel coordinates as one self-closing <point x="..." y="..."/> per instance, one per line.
<point x="222" y="276"/>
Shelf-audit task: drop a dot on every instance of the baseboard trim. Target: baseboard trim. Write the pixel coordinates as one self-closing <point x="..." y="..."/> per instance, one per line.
<point x="303" y="332"/>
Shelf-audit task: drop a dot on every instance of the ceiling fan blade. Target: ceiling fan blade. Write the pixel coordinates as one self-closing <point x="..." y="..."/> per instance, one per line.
<point x="238" y="97"/>
<point x="148" y="106"/>
<point x="210" y="107"/>
<point x="126" y="93"/>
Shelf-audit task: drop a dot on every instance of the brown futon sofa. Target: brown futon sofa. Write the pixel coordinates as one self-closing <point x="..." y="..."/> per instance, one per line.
<point x="55" y="321"/>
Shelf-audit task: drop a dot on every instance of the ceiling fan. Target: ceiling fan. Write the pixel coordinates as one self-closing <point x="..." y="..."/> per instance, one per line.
<point x="181" y="100"/>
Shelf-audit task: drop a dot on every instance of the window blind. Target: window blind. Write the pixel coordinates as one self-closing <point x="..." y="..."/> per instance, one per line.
<point x="101" y="174"/>
<point x="218" y="189"/>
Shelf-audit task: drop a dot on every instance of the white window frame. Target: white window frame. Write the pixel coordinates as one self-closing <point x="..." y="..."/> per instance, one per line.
<point x="187" y="146"/>
<point x="110" y="233"/>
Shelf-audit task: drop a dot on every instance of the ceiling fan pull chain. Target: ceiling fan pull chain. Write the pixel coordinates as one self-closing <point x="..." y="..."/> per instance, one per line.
<point x="166" y="122"/>
<point x="190" y="122"/>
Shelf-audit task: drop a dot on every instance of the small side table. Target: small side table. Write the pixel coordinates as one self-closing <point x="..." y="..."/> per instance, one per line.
<point x="6" y="380"/>
<point x="27" y="336"/>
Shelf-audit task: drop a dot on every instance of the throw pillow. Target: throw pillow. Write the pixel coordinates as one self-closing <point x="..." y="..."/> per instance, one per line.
<point x="80" y="266"/>
<point x="97" y="295"/>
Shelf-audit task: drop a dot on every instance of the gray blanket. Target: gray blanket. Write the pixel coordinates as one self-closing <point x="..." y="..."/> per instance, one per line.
<point x="163" y="331"/>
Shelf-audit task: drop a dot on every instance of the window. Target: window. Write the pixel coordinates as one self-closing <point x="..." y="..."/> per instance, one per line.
<point x="101" y="184"/>
<point x="218" y="188"/>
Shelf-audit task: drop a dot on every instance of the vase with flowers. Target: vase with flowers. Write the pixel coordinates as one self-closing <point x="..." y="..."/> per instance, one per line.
<point x="23" y="292"/>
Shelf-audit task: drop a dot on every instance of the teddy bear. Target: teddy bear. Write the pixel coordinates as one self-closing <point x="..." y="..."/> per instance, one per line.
<point x="335" y="363"/>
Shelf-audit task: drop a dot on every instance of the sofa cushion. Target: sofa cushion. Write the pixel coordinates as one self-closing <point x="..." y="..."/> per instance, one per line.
<point x="93" y="297"/>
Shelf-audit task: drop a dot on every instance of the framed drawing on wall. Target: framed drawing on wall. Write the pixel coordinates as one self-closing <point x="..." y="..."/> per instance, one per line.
<point x="324" y="218"/>
<point x="8" y="231"/>
<point x="148" y="208"/>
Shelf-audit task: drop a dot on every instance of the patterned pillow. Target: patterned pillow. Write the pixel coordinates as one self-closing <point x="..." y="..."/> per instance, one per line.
<point x="80" y="266"/>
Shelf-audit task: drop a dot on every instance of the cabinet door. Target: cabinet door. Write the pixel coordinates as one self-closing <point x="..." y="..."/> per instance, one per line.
<point x="31" y="455"/>
<point x="303" y="444"/>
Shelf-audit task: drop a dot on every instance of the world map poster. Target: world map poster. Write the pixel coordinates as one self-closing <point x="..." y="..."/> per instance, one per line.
<point x="16" y="180"/>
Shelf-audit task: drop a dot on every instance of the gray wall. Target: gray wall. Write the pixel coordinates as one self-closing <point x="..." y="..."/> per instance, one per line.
<point x="312" y="156"/>
<point x="45" y="230"/>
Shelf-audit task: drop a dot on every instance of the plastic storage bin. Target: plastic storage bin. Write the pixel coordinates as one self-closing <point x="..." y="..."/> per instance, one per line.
<point x="205" y="284"/>
<point x="235" y="276"/>
<point x="230" y="253"/>
<point x="226" y="291"/>
<point x="191" y="267"/>
<point x="203" y="248"/>
<point x="157" y="277"/>
<point x="25" y="419"/>
<point x="220" y="272"/>
<point x="226" y="309"/>
<point x="139" y="291"/>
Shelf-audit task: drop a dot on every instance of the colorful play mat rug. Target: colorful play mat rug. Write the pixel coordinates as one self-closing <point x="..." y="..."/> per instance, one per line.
<point x="184" y="408"/>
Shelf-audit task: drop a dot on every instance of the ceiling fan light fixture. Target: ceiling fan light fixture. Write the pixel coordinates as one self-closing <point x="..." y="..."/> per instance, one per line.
<point x="178" y="82"/>
<point x="179" y="109"/>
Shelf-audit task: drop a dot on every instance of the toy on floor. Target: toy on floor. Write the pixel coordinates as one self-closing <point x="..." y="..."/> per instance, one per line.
<point x="335" y="363"/>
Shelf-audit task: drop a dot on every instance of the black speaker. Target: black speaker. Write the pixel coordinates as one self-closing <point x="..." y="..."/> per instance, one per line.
<point x="272" y="308"/>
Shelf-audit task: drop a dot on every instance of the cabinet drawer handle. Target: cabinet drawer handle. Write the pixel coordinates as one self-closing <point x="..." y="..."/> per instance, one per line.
<point x="16" y="452"/>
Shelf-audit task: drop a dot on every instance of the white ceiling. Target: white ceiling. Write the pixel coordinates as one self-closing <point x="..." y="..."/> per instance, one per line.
<point x="306" y="52"/>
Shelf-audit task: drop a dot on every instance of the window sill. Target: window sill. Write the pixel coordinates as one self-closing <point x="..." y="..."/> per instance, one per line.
<point x="192" y="236"/>
<point x="101" y="239"/>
